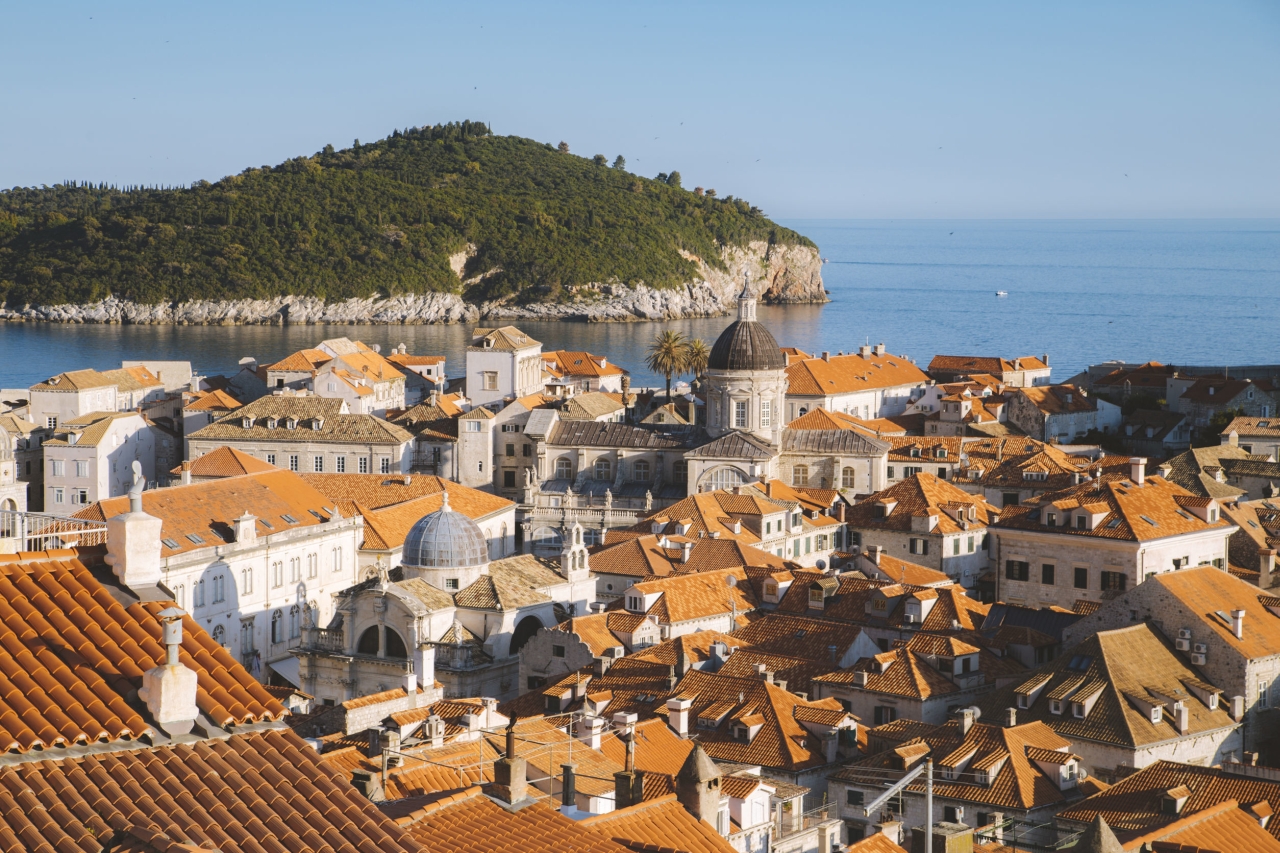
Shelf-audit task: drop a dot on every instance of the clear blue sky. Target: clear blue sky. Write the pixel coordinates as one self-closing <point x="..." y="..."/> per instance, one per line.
<point x="846" y="109"/>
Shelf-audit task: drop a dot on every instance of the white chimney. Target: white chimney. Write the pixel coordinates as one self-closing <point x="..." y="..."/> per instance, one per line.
<point x="1010" y="717"/>
<point x="1266" y="567"/>
<point x="966" y="720"/>
<point x="1138" y="470"/>
<point x="133" y="541"/>
<point x="873" y="551"/>
<point x="411" y="690"/>
<point x="246" y="529"/>
<point x="686" y="552"/>
<point x="590" y="730"/>
<point x="169" y="690"/>
<point x="678" y="715"/>
<point x="1237" y="623"/>
<point x="1181" y="717"/>
<point x="186" y="473"/>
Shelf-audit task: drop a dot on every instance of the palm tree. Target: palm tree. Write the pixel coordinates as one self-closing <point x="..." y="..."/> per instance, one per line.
<point x="667" y="353"/>
<point x="696" y="355"/>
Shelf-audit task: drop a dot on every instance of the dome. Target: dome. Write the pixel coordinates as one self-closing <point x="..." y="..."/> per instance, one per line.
<point x="445" y="539"/>
<point x="746" y="345"/>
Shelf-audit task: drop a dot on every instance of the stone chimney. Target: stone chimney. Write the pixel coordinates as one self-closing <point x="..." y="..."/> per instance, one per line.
<point x="628" y="784"/>
<point x="1138" y="470"/>
<point x="170" y="688"/>
<point x="1181" y="717"/>
<point x="873" y="552"/>
<point x="186" y="473"/>
<point x="246" y="529"/>
<point x="568" y="786"/>
<point x="826" y="356"/>
<point x="1237" y="623"/>
<point x="1010" y="717"/>
<point x="411" y="690"/>
<point x="698" y="786"/>
<point x="1237" y="708"/>
<point x="133" y="541"/>
<point x="435" y="731"/>
<point x="1266" y="567"/>
<point x="509" y="772"/>
<point x="678" y="715"/>
<point x="686" y="551"/>
<point x="590" y="731"/>
<point x="966" y="716"/>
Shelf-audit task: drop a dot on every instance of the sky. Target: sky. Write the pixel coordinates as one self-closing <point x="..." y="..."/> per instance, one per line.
<point x="809" y="110"/>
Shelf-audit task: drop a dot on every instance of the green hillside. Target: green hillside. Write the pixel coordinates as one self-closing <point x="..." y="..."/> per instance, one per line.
<point x="374" y="218"/>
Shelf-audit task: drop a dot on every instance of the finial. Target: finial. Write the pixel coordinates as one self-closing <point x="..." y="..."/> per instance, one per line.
<point x="135" y="491"/>
<point x="444" y="503"/>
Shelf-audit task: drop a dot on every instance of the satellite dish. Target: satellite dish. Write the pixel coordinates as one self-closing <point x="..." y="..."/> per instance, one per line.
<point x="822" y="564"/>
<point x="731" y="581"/>
<point x="977" y="712"/>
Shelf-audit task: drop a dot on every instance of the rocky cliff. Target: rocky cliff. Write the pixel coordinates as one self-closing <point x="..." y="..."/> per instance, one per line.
<point x="779" y="274"/>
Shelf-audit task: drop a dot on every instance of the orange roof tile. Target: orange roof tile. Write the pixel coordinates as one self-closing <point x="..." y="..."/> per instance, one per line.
<point x="225" y="462"/>
<point x="851" y="373"/>
<point x="659" y="824"/>
<point x="216" y="400"/>
<point x="1205" y="591"/>
<point x="301" y="361"/>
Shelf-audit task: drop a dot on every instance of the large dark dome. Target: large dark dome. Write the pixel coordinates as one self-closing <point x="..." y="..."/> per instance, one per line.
<point x="746" y="345"/>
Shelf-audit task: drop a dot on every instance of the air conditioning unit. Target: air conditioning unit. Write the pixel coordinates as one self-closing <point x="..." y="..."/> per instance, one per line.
<point x="1197" y="658"/>
<point x="1184" y="633"/>
<point x="1183" y="645"/>
<point x="1201" y="649"/>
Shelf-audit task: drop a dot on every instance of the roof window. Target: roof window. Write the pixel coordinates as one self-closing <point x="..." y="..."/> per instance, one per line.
<point x="266" y="524"/>
<point x="316" y="514"/>
<point x="195" y="538"/>
<point x="170" y="544"/>
<point x="289" y="519"/>
<point x="1148" y="521"/>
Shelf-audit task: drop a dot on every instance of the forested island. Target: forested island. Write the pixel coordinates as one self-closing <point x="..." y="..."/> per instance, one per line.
<point x="448" y="218"/>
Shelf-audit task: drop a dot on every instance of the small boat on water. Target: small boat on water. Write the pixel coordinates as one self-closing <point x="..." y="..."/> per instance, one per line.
<point x="1002" y="293"/>
<point x="826" y="260"/>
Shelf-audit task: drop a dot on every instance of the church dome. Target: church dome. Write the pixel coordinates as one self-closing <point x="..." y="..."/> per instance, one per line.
<point x="746" y="344"/>
<point x="445" y="539"/>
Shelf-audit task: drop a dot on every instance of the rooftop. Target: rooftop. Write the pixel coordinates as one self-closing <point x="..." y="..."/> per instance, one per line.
<point x="847" y="374"/>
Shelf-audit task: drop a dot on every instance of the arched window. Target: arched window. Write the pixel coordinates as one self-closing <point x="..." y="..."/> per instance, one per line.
<point x="495" y="545"/>
<point x="502" y="545"/>
<point x="295" y="627"/>
<point x="723" y="477"/>
<point x="547" y="542"/>
<point x="593" y="537"/>
<point x="847" y="478"/>
<point x="642" y="470"/>
<point x="394" y="646"/>
<point x="368" y="644"/>
<point x="800" y="475"/>
<point x="604" y="469"/>
<point x="804" y="410"/>
<point x="564" y="468"/>
<point x="277" y="627"/>
<point x="682" y="471"/>
<point x="220" y="635"/>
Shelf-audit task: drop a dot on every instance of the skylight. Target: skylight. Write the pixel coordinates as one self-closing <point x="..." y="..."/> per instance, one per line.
<point x="169" y="543"/>
<point x="1148" y="521"/>
<point x="196" y="538"/>
<point x="290" y="519"/>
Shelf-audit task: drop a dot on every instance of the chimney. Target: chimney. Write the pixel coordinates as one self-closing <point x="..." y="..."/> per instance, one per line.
<point x="169" y="689"/>
<point x="569" y="786"/>
<point x="966" y="720"/>
<point x="368" y="783"/>
<point x="628" y="785"/>
<point x="864" y="351"/>
<point x="435" y="731"/>
<point x="678" y="715"/>
<point x="1045" y="358"/>
<point x="826" y="355"/>
<point x="1181" y="717"/>
<point x="509" y="771"/>
<point x="1237" y="623"/>
<point x="879" y="350"/>
<point x="186" y="473"/>
<point x="1010" y="717"/>
<point x="1266" y="567"/>
<point x="133" y="541"/>
<point x="1138" y="470"/>
<point x="686" y="551"/>
<point x="830" y="743"/>
<point x="873" y="551"/>
<point x="1237" y="708"/>
<point x="590" y="730"/>
<point x="246" y="529"/>
<point x="411" y="690"/>
<point x="698" y="786"/>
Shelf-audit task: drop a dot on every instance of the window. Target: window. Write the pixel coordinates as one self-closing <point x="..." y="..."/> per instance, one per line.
<point x="295" y="629"/>
<point x="340" y="464"/>
<point x="847" y="478"/>
<point x="942" y="473"/>
<point x="490" y="380"/>
<point x="384" y="465"/>
<point x="853" y="798"/>
<point x="511" y="451"/>
<point x="681" y="470"/>
<point x="58" y="468"/>
<point x="564" y="469"/>
<point x="318" y="464"/>
<point x="363" y="466"/>
<point x="293" y="462"/>
<point x="885" y="714"/>
<point x="1113" y="581"/>
<point x="271" y="459"/>
<point x="473" y="426"/>
<point x="1009" y="499"/>
<point x="1082" y="578"/>
<point x="277" y="627"/>
<point x="641" y="470"/>
<point x="337" y="559"/>
<point x="800" y="475"/>
<point x="220" y="635"/>
<point x="1046" y="574"/>
<point x="970" y="544"/>
<point x="766" y="413"/>
<point x="508" y="479"/>
<point x="82" y="468"/>
<point x="890" y="472"/>
<point x="246" y="580"/>
<point x="557" y="651"/>
<point x="1016" y="570"/>
<point x="951" y="814"/>
<point x="919" y="546"/>
<point x="277" y="574"/>
<point x="450" y="583"/>
<point x="604" y="469"/>
<point x="197" y="594"/>
<point x="955" y="546"/>
<point x="1264" y="691"/>
<point x="51" y="423"/>
<point x="1082" y="522"/>
<point x="57" y="496"/>
<point x="740" y="414"/>
<point x="910" y="470"/>
<point x="313" y="565"/>
<point x="80" y="496"/>
<point x="527" y="450"/>
<point x="219" y="590"/>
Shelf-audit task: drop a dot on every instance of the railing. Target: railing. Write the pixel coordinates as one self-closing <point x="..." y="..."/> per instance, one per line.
<point x="425" y="463"/>
<point x="37" y="532"/>
<point x="788" y="824"/>
<point x="327" y="640"/>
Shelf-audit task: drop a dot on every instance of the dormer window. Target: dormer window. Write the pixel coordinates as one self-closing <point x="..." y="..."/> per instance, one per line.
<point x="246" y="422"/>
<point x="291" y="423"/>
<point x="915" y="453"/>
<point x="317" y="423"/>
<point x="271" y="423"/>
<point x="1055" y="707"/>
<point x="1077" y="710"/>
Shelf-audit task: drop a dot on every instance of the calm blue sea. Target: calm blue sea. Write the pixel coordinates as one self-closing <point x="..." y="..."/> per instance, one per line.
<point x="1082" y="291"/>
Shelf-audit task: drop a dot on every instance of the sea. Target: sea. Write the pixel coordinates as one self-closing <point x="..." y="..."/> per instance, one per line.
<point x="1194" y="292"/>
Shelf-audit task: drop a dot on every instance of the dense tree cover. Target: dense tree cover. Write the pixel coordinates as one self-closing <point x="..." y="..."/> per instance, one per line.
<point x="373" y="218"/>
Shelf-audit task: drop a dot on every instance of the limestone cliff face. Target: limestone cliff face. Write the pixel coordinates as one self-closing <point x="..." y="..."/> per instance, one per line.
<point x="779" y="274"/>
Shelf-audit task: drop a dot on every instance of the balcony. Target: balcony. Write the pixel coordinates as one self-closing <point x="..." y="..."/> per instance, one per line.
<point x="327" y="640"/>
<point x="38" y="532"/>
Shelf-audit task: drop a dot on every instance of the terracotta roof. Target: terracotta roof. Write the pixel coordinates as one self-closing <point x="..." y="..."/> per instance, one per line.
<point x="1227" y="826"/>
<point x="1129" y="512"/>
<point x="714" y="514"/>
<point x="74" y="380"/>
<point x="610" y="434"/>
<point x="90" y="429"/>
<point x="590" y="406"/>
<point x="659" y="824"/>
<point x="216" y="400"/>
<point x="807" y="497"/>
<point x="383" y="490"/>
<point x="698" y="596"/>
<point x="251" y="792"/>
<point x="225" y="462"/>
<point x="570" y="363"/>
<point x="474" y="823"/>
<point x="54" y="601"/>
<point x="301" y="361"/>
<point x="658" y="748"/>
<point x="642" y="557"/>
<point x="408" y="360"/>
<point x="333" y="425"/>
<point x="200" y="515"/>
<point x="898" y="672"/>
<point x="1206" y="470"/>
<point x="896" y="570"/>
<point x="919" y="450"/>
<point x="876" y="843"/>
<point x="1129" y="666"/>
<point x="1132" y="806"/>
<point x="1018" y="783"/>
<point x="1151" y="375"/>
<point x="386" y="528"/>
<point x="1205" y="591"/>
<point x="976" y="364"/>
<point x="1056" y="399"/>
<point x="921" y="495"/>
<point x="845" y="374"/>
<point x="1216" y="390"/>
